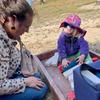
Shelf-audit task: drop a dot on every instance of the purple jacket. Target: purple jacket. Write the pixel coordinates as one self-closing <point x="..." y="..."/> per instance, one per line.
<point x="68" y="45"/>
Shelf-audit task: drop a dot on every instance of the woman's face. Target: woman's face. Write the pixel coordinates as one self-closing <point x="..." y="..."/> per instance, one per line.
<point x="21" y="27"/>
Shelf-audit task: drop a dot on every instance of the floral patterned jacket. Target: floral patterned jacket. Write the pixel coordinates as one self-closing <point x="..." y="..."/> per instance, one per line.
<point x="10" y="59"/>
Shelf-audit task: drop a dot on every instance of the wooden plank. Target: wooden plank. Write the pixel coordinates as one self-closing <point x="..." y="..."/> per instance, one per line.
<point x="58" y="94"/>
<point x="49" y="54"/>
<point x="94" y="54"/>
<point x="46" y="55"/>
<point x="59" y="80"/>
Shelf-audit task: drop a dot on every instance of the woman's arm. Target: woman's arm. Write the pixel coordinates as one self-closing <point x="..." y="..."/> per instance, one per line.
<point x="8" y="86"/>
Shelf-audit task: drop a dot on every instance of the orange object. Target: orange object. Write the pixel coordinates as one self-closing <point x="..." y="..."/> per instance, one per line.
<point x="60" y="68"/>
<point x="71" y="95"/>
<point x="71" y="60"/>
<point x="95" y="59"/>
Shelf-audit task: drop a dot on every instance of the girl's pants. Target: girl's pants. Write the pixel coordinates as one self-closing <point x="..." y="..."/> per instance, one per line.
<point x="87" y="59"/>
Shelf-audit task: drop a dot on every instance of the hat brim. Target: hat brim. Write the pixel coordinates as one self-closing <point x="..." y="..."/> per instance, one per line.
<point x="82" y="31"/>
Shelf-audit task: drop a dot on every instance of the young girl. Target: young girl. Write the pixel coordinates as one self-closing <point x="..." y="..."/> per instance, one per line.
<point x="71" y="43"/>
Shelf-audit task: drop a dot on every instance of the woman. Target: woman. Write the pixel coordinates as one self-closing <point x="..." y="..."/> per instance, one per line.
<point x="15" y="19"/>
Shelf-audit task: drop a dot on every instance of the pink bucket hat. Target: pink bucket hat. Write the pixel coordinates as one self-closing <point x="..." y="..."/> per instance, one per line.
<point x="75" y="21"/>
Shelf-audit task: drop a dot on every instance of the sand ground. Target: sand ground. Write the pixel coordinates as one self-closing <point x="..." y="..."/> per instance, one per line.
<point x="43" y="36"/>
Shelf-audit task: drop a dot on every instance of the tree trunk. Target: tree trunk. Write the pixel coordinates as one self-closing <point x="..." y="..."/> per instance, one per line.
<point x="42" y="1"/>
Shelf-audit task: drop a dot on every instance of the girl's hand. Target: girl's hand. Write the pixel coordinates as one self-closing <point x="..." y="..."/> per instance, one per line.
<point x="65" y="62"/>
<point x="81" y="59"/>
<point x="34" y="82"/>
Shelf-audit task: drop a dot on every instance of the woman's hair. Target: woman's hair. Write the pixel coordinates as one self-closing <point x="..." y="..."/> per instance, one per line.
<point x="18" y="8"/>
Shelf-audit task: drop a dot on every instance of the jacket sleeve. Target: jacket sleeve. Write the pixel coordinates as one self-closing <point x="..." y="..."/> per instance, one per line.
<point x="61" y="48"/>
<point x="84" y="49"/>
<point x="8" y="86"/>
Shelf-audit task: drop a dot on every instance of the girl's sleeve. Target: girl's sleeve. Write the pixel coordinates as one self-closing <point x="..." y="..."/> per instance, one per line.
<point x="61" y="48"/>
<point x="8" y="86"/>
<point x="84" y="48"/>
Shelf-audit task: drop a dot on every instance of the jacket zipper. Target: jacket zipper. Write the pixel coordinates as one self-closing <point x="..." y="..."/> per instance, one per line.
<point x="71" y="44"/>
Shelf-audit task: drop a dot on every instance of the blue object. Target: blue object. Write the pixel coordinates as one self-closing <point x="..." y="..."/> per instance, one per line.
<point x="83" y="90"/>
<point x="97" y="74"/>
<point x="28" y="94"/>
<point x="70" y="65"/>
<point x="96" y="66"/>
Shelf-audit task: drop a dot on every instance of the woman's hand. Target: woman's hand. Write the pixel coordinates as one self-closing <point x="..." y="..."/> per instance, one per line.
<point x="34" y="82"/>
<point x="81" y="59"/>
<point x="65" y="62"/>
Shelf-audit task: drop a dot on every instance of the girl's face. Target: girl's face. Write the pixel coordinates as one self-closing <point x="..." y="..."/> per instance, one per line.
<point x="69" y="29"/>
<point x="21" y="27"/>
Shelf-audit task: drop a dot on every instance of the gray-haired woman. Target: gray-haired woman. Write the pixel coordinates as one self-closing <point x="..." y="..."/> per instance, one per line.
<point x="15" y="18"/>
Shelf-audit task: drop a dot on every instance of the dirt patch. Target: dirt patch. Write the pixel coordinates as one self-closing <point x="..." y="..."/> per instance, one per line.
<point x="92" y="6"/>
<point x="44" y="38"/>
